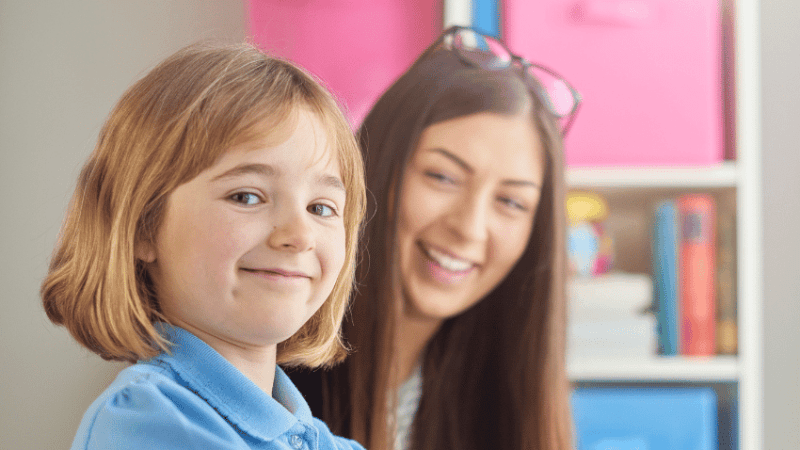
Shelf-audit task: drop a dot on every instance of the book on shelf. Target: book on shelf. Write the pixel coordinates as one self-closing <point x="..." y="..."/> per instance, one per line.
<point x="665" y="242"/>
<point x="697" y="279"/>
<point x="685" y="276"/>
<point x="727" y="329"/>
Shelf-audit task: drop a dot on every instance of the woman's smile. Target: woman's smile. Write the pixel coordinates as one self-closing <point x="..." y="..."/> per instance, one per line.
<point x="444" y="267"/>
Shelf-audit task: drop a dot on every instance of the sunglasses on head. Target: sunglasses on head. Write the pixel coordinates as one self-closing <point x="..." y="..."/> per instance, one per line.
<point x="486" y="52"/>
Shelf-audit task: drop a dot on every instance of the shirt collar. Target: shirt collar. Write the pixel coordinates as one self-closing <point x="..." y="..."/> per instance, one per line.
<point x="244" y="405"/>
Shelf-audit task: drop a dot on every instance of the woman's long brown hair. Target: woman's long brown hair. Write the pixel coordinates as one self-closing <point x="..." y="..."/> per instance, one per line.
<point x="493" y="376"/>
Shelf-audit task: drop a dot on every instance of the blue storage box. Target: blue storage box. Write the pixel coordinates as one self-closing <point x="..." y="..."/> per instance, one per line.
<point x="645" y="418"/>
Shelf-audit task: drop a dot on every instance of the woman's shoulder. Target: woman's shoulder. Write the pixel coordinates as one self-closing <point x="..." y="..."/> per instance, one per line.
<point x="146" y="407"/>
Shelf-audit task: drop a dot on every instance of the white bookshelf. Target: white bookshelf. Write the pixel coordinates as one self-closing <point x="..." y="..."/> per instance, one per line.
<point x="739" y="181"/>
<point x="683" y="177"/>
<point x="654" y="369"/>
<point x="749" y="220"/>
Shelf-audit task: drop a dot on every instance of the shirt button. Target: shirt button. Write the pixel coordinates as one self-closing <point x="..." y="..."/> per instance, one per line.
<point x="296" y="441"/>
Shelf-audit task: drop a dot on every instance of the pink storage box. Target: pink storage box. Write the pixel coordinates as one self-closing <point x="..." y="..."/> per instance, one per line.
<point x="649" y="72"/>
<point x="356" y="47"/>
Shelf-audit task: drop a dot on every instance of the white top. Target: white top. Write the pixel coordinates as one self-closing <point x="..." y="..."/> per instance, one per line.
<point x="407" y="403"/>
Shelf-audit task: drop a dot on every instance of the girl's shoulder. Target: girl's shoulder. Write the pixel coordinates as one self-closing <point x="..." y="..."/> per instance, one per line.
<point x="147" y="407"/>
<point x="327" y="440"/>
<point x="150" y="405"/>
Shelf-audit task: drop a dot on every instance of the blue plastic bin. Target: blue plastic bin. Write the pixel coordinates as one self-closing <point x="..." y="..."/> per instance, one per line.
<point x="645" y="418"/>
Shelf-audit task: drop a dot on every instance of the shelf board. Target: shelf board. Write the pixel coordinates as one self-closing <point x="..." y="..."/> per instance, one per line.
<point x="720" y="175"/>
<point x="663" y="369"/>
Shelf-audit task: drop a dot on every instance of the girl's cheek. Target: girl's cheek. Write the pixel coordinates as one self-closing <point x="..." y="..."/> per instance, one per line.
<point x="338" y="253"/>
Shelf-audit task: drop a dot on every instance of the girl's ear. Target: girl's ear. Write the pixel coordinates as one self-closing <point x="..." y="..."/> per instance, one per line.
<point x="145" y="251"/>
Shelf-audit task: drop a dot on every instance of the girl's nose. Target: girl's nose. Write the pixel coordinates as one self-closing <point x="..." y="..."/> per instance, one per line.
<point x="468" y="219"/>
<point x="291" y="232"/>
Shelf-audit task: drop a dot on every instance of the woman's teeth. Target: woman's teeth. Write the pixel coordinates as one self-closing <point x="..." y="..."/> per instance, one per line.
<point x="448" y="262"/>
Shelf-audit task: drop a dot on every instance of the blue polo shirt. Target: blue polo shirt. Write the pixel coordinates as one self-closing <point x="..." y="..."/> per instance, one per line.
<point x="195" y="399"/>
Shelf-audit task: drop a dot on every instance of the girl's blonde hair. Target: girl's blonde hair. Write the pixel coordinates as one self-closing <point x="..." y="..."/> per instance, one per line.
<point x="166" y="129"/>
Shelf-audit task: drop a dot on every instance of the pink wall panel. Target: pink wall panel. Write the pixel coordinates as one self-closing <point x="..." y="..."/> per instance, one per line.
<point x="649" y="72"/>
<point x="356" y="47"/>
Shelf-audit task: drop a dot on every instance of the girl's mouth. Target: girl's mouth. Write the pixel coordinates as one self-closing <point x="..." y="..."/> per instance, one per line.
<point x="278" y="272"/>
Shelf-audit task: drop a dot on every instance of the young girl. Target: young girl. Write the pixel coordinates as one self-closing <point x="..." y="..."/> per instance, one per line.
<point x="458" y="326"/>
<point x="212" y="234"/>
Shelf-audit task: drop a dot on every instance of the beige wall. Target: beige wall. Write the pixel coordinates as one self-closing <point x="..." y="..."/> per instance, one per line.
<point x="63" y="64"/>
<point x="780" y="76"/>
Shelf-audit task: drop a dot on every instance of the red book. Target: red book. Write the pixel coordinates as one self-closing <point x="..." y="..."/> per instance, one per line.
<point x="727" y="330"/>
<point x="697" y="274"/>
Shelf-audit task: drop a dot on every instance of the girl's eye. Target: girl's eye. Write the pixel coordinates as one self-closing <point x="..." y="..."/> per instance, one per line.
<point x="440" y="177"/>
<point x="246" y="198"/>
<point x="321" y="210"/>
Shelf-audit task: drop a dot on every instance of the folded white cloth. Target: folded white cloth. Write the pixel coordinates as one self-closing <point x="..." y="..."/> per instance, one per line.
<point x="610" y="295"/>
<point x="623" y="336"/>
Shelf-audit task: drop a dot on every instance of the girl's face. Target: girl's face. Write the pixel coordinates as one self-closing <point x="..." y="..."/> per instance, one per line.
<point x="250" y="248"/>
<point x="466" y="210"/>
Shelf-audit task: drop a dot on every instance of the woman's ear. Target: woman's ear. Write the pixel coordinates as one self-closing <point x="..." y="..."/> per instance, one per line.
<point x="144" y="251"/>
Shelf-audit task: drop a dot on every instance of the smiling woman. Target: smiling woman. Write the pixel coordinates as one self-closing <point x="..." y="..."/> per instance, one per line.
<point x="459" y="321"/>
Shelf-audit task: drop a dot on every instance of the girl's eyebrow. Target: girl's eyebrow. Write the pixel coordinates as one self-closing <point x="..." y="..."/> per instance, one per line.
<point x="332" y="181"/>
<point x="268" y="171"/>
<point x="246" y="169"/>
<point x="464" y="165"/>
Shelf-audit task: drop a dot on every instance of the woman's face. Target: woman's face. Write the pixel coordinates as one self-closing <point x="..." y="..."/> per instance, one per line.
<point x="466" y="210"/>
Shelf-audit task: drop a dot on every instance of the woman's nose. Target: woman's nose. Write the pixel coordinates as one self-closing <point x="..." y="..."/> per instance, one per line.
<point x="468" y="218"/>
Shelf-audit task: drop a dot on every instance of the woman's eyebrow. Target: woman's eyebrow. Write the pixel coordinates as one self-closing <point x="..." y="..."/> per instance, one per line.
<point x="454" y="158"/>
<point x="263" y="170"/>
<point x="521" y="183"/>
<point x="464" y="165"/>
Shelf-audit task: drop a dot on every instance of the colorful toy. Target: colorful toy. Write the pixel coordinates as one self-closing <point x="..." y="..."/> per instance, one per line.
<point x="589" y="246"/>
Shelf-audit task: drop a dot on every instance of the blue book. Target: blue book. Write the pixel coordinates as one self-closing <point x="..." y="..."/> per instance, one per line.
<point x="665" y="276"/>
<point x="486" y="17"/>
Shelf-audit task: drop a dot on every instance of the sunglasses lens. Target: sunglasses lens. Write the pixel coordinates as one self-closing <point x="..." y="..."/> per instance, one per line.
<point x="560" y="99"/>
<point x="489" y="53"/>
<point x="483" y="51"/>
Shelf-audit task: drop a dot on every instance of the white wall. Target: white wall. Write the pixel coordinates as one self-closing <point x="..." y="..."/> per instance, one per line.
<point x="780" y="76"/>
<point x="63" y="64"/>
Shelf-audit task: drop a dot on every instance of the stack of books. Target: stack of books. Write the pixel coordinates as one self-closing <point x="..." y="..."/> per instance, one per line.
<point x="610" y="316"/>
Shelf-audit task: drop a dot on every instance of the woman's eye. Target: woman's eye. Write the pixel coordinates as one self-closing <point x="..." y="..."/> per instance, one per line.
<point x="246" y="198"/>
<point x="321" y="210"/>
<point x="511" y="203"/>
<point x="440" y="177"/>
